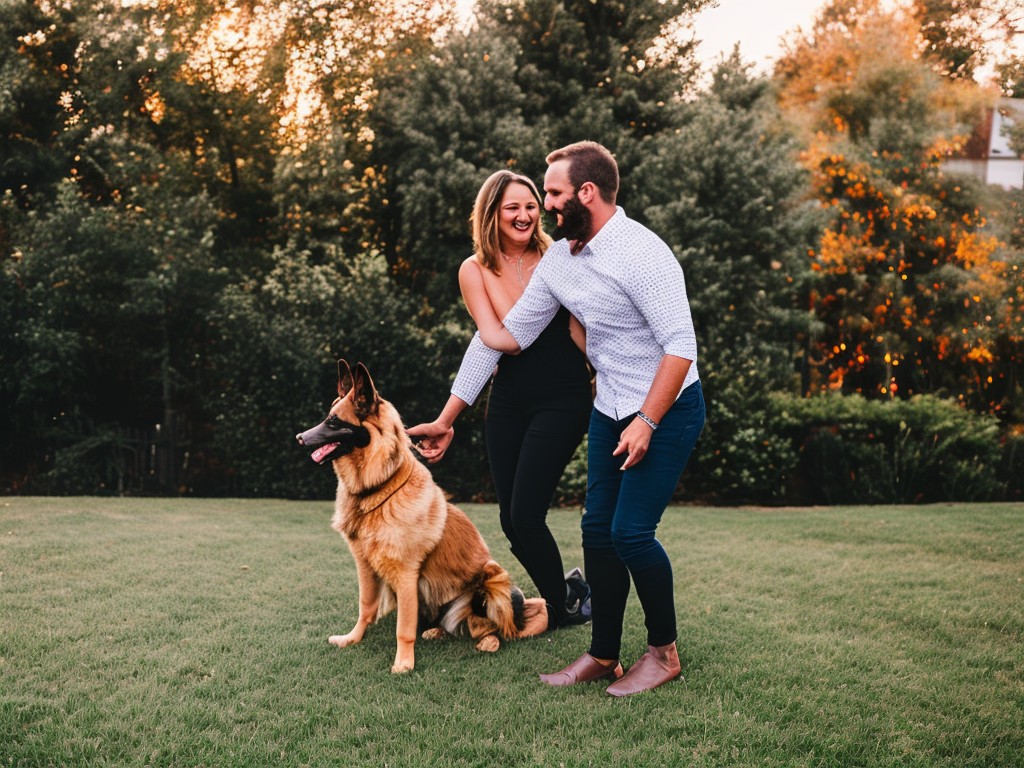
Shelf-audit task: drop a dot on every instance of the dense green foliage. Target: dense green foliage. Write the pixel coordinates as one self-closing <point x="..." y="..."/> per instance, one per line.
<point x="204" y="205"/>
<point x="851" y="450"/>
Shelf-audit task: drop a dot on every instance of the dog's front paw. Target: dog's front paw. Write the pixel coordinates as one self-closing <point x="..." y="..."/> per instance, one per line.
<point x="342" y="640"/>
<point x="401" y="667"/>
<point x="489" y="644"/>
<point x="434" y="633"/>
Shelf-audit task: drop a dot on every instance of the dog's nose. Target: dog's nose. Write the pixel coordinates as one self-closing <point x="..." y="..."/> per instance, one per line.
<point x="298" y="437"/>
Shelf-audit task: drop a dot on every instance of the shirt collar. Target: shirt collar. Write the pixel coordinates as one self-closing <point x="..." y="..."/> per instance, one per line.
<point x="606" y="234"/>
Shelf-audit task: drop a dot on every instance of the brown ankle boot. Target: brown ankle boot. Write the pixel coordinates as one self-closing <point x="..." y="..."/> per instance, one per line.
<point x="659" y="665"/>
<point x="583" y="670"/>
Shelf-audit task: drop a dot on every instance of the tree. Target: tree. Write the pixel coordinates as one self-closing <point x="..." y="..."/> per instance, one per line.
<point x="156" y="155"/>
<point x="108" y="333"/>
<point x="33" y="69"/>
<point x="440" y="133"/>
<point x="609" y="71"/>
<point x="1010" y="81"/>
<point x="961" y="35"/>
<point x="878" y="121"/>
<point x="726" y="193"/>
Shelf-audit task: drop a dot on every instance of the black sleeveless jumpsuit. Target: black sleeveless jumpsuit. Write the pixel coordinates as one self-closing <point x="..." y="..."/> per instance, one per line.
<point x="537" y="413"/>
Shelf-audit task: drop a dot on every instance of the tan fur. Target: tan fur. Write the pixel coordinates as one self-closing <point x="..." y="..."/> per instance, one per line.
<point x="413" y="549"/>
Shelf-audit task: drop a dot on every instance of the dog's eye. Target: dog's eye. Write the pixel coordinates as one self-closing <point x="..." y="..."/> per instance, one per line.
<point x="333" y="422"/>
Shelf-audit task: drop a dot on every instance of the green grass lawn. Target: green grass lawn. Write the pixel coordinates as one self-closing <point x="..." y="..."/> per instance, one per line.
<point x="194" y="632"/>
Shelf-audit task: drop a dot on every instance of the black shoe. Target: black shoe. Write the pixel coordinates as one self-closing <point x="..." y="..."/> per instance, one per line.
<point x="577" y="595"/>
<point x="567" y="619"/>
<point x="573" y="619"/>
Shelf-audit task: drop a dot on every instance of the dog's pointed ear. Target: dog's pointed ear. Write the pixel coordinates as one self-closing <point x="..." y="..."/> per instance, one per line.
<point x="365" y="397"/>
<point x="344" y="378"/>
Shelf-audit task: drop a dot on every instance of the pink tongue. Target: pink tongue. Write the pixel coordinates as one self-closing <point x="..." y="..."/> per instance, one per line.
<point x="322" y="452"/>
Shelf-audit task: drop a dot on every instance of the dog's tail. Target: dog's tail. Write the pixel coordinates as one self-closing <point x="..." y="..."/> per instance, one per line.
<point x="491" y="604"/>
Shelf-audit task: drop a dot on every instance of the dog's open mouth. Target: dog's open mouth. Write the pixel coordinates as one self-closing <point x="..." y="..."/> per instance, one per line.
<point x="323" y="453"/>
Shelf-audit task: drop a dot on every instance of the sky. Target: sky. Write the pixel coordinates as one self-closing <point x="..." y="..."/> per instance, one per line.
<point x="757" y="25"/>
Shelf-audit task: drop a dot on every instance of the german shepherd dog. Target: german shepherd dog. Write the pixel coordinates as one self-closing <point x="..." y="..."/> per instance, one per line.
<point x="411" y="546"/>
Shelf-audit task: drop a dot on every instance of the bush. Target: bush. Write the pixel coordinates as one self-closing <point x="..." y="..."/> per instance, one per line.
<point x="739" y="457"/>
<point x="857" y="451"/>
<point x="572" y="489"/>
<point x="1011" y="468"/>
<point x="838" y="449"/>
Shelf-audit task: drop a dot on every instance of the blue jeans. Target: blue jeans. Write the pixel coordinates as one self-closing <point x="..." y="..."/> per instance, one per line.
<point x="623" y="510"/>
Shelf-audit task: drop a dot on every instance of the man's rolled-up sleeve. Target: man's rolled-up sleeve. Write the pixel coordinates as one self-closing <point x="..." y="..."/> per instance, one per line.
<point x="531" y="314"/>
<point x="476" y="369"/>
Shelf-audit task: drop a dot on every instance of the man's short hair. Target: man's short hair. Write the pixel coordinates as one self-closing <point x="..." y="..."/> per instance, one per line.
<point x="590" y="161"/>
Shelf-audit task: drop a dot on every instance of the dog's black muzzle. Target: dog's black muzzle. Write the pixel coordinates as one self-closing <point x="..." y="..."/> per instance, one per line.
<point x="332" y="439"/>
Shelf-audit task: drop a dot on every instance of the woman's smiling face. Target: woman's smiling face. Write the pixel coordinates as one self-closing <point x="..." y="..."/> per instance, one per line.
<point x="518" y="215"/>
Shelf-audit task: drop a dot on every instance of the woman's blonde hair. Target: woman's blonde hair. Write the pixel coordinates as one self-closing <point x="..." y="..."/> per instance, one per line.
<point x="486" y="224"/>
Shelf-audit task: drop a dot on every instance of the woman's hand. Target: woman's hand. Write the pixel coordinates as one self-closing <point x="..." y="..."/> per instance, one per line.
<point x="434" y="439"/>
<point x="435" y="436"/>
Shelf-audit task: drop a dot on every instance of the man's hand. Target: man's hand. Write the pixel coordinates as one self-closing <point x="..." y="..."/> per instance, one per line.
<point x="636" y="438"/>
<point x="634" y="441"/>
<point x="434" y="440"/>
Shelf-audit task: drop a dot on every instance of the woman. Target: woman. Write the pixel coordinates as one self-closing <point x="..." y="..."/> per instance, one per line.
<point x="540" y="400"/>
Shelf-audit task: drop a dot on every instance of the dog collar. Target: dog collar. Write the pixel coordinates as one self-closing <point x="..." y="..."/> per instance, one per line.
<point x="368" y="492"/>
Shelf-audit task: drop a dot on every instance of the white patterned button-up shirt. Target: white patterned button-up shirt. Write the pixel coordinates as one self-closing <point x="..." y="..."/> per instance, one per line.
<point x="627" y="289"/>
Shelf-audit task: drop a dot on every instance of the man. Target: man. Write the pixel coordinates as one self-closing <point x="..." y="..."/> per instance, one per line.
<point x="627" y="289"/>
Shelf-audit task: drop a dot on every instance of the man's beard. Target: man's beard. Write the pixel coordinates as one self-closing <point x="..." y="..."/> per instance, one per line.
<point x="576" y="221"/>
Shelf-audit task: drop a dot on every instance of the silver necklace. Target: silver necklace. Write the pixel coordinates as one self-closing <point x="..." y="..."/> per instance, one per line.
<point x="519" y="265"/>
